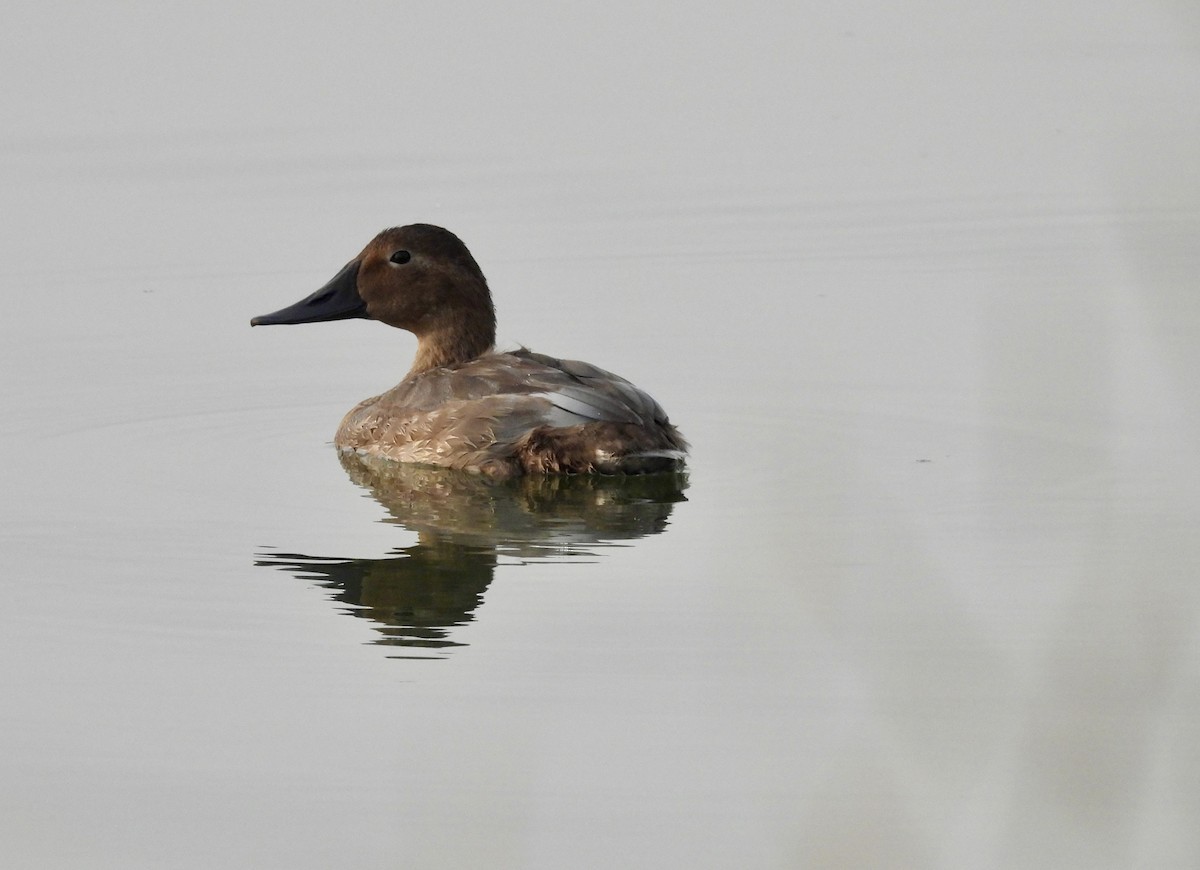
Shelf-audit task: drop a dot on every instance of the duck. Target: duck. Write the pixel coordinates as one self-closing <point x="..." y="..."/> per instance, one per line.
<point x="463" y="404"/>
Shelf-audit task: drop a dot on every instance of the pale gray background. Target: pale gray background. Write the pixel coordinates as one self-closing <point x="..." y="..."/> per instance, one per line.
<point x="918" y="280"/>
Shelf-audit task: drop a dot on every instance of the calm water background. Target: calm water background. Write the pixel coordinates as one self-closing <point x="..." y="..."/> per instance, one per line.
<point x="919" y="282"/>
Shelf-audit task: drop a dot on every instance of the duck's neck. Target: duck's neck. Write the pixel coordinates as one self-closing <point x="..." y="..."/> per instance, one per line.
<point x="453" y="341"/>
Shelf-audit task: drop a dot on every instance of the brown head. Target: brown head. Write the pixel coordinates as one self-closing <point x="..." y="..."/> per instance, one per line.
<point x="420" y="278"/>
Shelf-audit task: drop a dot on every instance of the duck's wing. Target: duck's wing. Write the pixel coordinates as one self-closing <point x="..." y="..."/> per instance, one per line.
<point x="569" y="392"/>
<point x="586" y="391"/>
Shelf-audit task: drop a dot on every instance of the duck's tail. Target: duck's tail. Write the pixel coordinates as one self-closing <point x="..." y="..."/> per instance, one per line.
<point x="601" y="448"/>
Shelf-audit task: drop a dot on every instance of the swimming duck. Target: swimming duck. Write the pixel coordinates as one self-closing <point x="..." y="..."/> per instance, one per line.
<point x="463" y="405"/>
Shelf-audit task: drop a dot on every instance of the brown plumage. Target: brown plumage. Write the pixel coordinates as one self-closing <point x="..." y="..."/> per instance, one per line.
<point x="464" y="406"/>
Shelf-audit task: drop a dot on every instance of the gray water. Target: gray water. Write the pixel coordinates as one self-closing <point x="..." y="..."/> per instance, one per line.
<point x="919" y="284"/>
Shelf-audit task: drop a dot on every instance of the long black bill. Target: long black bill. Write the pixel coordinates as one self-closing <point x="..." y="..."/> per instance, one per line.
<point x="337" y="300"/>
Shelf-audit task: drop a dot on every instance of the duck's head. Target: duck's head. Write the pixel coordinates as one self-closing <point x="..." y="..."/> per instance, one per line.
<point x="420" y="278"/>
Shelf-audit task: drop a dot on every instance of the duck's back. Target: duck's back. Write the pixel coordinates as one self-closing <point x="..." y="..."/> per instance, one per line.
<point x="516" y="412"/>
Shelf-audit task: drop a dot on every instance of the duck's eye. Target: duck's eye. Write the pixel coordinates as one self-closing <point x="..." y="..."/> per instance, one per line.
<point x="401" y="257"/>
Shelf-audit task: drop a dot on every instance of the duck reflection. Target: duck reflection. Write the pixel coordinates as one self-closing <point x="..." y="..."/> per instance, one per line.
<point x="465" y="526"/>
